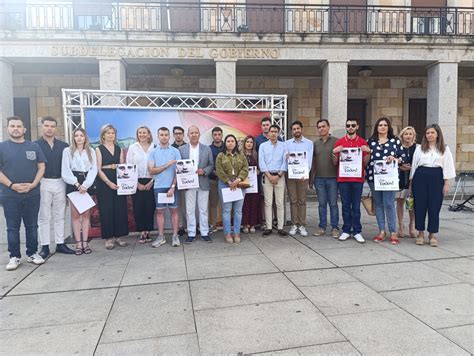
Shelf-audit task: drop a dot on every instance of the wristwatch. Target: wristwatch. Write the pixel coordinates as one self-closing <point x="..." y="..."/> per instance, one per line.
<point x="11" y="185"/>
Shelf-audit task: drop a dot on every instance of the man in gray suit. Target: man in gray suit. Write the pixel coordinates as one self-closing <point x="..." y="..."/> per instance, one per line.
<point x="202" y="155"/>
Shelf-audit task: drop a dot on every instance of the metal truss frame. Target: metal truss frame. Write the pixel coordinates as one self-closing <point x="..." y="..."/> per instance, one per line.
<point x="75" y="101"/>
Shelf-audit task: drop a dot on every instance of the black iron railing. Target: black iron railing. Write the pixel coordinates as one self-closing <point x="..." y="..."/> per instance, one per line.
<point x="168" y="16"/>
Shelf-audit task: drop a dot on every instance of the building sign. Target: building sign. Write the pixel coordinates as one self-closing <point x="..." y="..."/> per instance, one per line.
<point x="165" y="52"/>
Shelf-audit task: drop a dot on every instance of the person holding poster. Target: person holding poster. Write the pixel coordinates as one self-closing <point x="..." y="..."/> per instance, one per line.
<point x="382" y="176"/>
<point x="217" y="146"/>
<point x="300" y="159"/>
<point x="144" y="199"/>
<point x="178" y="136"/>
<point x="112" y="207"/>
<point x="162" y="165"/>
<point x="79" y="170"/>
<point x="350" y="154"/>
<point x="232" y="168"/>
<point x="202" y="157"/>
<point x="252" y="209"/>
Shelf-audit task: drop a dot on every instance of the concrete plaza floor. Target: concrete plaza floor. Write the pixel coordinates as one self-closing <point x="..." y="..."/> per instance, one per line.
<point x="304" y="295"/>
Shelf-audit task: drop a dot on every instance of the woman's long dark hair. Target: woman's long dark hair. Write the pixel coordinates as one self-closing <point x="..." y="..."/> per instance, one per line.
<point x="236" y="148"/>
<point x="375" y="133"/>
<point x="440" y="146"/>
<point x="253" y="152"/>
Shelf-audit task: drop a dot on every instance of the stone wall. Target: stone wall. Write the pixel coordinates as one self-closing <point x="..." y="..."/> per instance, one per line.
<point x="465" y="128"/>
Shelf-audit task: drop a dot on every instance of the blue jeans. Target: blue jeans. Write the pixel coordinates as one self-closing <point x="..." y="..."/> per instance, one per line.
<point x="227" y="209"/>
<point x="326" y="189"/>
<point x="350" y="193"/>
<point x="16" y="209"/>
<point x="384" y="204"/>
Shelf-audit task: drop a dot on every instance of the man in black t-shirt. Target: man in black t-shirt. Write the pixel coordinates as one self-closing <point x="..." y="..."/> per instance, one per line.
<point x="22" y="165"/>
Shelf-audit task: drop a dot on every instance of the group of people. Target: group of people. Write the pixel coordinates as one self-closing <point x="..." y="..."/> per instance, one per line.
<point x="222" y="167"/>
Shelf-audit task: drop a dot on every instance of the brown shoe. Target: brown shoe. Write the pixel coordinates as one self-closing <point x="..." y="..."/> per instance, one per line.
<point x="121" y="242"/>
<point x="110" y="243"/>
<point x="236" y="239"/>
<point x="420" y="240"/>
<point x="228" y="239"/>
<point x="319" y="232"/>
<point x="433" y="242"/>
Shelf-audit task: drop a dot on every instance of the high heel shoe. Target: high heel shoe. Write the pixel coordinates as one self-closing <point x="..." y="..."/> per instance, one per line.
<point x="380" y="237"/>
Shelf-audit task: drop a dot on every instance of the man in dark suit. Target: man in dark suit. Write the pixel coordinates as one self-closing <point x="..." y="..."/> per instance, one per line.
<point x="202" y="156"/>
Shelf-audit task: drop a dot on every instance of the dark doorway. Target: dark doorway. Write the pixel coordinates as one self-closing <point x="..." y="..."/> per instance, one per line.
<point x="21" y="108"/>
<point x="266" y="16"/>
<point x="356" y="110"/>
<point x="417" y="116"/>
<point x="349" y="16"/>
<point x="181" y="16"/>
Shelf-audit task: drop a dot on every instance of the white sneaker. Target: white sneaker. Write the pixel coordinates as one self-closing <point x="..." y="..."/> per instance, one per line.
<point x="160" y="240"/>
<point x="303" y="231"/>
<point x="175" y="241"/>
<point x="359" y="238"/>
<point x="344" y="236"/>
<point x="293" y="230"/>
<point x="13" y="264"/>
<point x="35" y="259"/>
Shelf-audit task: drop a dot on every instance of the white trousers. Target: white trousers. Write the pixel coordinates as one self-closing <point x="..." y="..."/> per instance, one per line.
<point x="52" y="205"/>
<point x="201" y="197"/>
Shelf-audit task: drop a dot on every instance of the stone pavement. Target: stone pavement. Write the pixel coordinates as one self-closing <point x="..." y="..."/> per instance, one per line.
<point x="304" y="295"/>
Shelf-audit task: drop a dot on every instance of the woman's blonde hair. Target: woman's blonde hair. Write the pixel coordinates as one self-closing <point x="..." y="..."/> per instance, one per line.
<point x="106" y="128"/>
<point x="150" y="137"/>
<point x="87" y="144"/>
<point x="405" y="129"/>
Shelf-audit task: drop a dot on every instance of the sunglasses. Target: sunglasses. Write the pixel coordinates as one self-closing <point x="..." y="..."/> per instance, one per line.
<point x="351" y="125"/>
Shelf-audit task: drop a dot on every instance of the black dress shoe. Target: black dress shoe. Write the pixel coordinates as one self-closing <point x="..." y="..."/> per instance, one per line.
<point x="181" y="232"/>
<point x="267" y="232"/>
<point x="189" y="239"/>
<point x="62" y="248"/>
<point x="282" y="233"/>
<point x="206" y="238"/>
<point x="44" y="253"/>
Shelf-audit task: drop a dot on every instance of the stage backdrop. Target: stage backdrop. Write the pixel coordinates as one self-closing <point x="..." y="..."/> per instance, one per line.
<point x="127" y="120"/>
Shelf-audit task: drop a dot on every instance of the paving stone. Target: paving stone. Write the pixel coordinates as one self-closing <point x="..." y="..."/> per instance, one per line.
<point x="345" y="298"/>
<point x="439" y="307"/>
<point x="68" y="339"/>
<point x="460" y="247"/>
<point x="167" y="345"/>
<point x="232" y="291"/>
<point x="400" y="276"/>
<point x="51" y="309"/>
<point x="407" y="247"/>
<point x="319" y="277"/>
<point x="461" y="268"/>
<point x="150" y="311"/>
<point x="335" y="349"/>
<point x="199" y="268"/>
<point x="393" y="332"/>
<point x="219" y="248"/>
<point x="9" y="279"/>
<point x="318" y="243"/>
<point x="262" y="327"/>
<point x="461" y="335"/>
<point x="368" y="255"/>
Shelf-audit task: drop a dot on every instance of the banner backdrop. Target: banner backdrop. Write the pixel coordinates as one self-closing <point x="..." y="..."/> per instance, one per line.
<point x="126" y="121"/>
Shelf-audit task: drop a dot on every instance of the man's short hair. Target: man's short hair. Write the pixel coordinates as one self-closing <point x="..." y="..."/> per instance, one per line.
<point x="275" y="126"/>
<point x="348" y="119"/>
<point x="216" y="129"/>
<point x="13" y="118"/>
<point x="178" y="128"/>
<point x="162" y="128"/>
<point x="297" y="122"/>
<point x="322" y="120"/>
<point x="49" y="118"/>
<point x="265" y="119"/>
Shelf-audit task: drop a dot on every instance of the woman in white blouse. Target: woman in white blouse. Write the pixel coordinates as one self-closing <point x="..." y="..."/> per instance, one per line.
<point x="431" y="169"/>
<point x="78" y="170"/>
<point x="144" y="198"/>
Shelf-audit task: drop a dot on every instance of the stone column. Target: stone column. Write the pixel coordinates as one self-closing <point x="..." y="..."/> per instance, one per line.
<point x="334" y="95"/>
<point x="113" y="76"/>
<point x="226" y="81"/>
<point x="442" y="100"/>
<point x="6" y="94"/>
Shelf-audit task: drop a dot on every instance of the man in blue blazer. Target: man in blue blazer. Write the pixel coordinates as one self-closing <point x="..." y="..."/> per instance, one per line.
<point x="201" y="154"/>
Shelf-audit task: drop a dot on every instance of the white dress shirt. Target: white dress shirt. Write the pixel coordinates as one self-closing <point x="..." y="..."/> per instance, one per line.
<point x="434" y="158"/>
<point x="137" y="155"/>
<point x="194" y="154"/>
<point x="79" y="162"/>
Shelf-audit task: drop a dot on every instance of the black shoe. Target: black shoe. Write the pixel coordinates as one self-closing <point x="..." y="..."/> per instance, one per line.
<point x="63" y="248"/>
<point x="282" y="233"/>
<point x="44" y="253"/>
<point x="181" y="232"/>
<point x="206" y="238"/>
<point x="189" y="239"/>
<point x="267" y="232"/>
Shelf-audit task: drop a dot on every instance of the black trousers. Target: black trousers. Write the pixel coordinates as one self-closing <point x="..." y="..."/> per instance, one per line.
<point x="144" y="207"/>
<point x="427" y="187"/>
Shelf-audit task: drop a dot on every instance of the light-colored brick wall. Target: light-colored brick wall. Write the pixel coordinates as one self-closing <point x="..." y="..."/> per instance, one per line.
<point x="465" y="128"/>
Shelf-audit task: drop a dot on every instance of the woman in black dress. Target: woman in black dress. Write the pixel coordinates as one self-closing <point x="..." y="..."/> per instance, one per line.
<point x="252" y="210"/>
<point x="112" y="207"/>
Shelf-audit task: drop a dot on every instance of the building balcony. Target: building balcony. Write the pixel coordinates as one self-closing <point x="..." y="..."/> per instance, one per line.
<point x="206" y="17"/>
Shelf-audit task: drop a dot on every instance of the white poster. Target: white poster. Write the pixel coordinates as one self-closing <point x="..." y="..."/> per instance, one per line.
<point x="82" y="202"/>
<point x="386" y="175"/>
<point x="229" y="195"/>
<point x="127" y="179"/>
<point x="253" y="180"/>
<point x="186" y="175"/>
<point x="350" y="162"/>
<point x="298" y="167"/>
